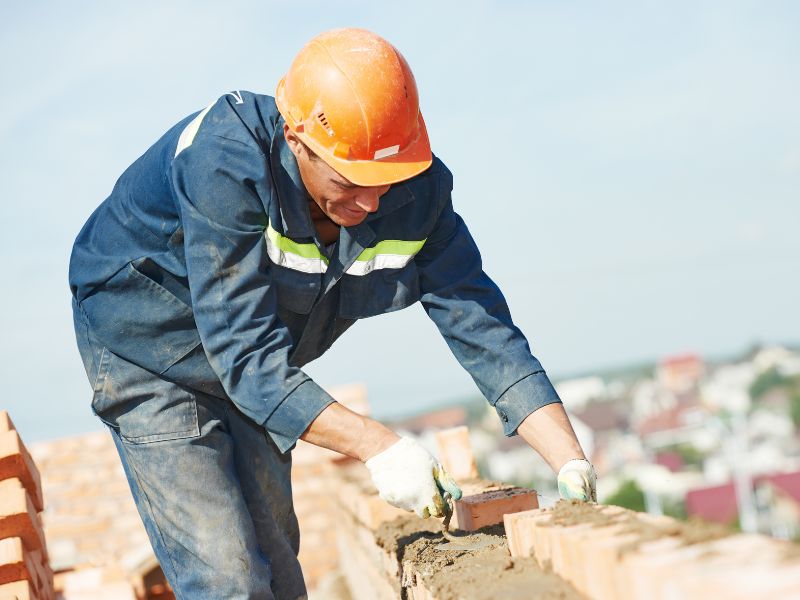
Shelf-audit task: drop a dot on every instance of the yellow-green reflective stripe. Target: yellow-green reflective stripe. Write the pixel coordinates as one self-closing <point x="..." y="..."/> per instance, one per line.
<point x="389" y="254"/>
<point x="396" y="247"/>
<point x="284" y="252"/>
<point x="308" y="250"/>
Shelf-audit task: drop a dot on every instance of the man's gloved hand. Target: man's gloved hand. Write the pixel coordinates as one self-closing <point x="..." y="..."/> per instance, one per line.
<point x="577" y="480"/>
<point x="408" y="477"/>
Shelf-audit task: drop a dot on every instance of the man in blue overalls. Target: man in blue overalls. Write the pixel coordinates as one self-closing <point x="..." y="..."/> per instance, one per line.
<point x="237" y="249"/>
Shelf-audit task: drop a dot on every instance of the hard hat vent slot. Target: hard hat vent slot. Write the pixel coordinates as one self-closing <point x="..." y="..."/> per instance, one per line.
<point x="323" y="120"/>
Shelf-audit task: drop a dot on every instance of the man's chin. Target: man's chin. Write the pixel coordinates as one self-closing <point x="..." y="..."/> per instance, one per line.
<point x="351" y="218"/>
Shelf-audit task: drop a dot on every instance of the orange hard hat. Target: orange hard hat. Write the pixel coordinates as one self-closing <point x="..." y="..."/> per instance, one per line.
<point x="350" y="97"/>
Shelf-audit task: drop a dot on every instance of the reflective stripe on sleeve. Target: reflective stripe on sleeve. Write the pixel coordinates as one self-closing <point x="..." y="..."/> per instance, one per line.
<point x="190" y="131"/>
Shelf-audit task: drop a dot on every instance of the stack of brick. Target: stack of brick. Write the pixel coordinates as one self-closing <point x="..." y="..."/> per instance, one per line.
<point x="97" y="544"/>
<point x="25" y="572"/>
<point x="610" y="553"/>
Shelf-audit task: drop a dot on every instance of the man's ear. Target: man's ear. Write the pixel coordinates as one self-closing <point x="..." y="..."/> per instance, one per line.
<point x="295" y="145"/>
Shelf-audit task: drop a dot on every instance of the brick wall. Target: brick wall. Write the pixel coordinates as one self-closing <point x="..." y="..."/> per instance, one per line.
<point x="570" y="551"/>
<point x="610" y="553"/>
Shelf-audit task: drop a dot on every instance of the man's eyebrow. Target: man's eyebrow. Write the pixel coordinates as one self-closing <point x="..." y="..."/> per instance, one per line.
<point x="345" y="184"/>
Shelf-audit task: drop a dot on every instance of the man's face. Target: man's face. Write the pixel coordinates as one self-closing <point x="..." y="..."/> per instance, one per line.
<point x="343" y="202"/>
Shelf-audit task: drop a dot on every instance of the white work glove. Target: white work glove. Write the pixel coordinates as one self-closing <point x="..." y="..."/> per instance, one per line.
<point x="577" y="480"/>
<point x="408" y="477"/>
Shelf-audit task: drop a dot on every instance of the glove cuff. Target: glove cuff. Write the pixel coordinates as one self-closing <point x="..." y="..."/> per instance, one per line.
<point x="581" y="464"/>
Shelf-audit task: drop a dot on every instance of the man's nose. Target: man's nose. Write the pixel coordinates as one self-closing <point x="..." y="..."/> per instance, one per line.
<point x="369" y="198"/>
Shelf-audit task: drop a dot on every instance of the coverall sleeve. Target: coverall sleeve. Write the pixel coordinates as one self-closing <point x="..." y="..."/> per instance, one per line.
<point x="219" y="185"/>
<point x="472" y="315"/>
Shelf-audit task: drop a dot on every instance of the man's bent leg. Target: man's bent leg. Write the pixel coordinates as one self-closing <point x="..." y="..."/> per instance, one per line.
<point x="265" y="476"/>
<point x="178" y="455"/>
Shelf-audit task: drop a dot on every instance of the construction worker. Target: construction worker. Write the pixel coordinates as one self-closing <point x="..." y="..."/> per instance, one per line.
<point x="237" y="249"/>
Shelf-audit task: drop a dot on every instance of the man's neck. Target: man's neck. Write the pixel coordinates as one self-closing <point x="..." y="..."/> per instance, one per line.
<point x="327" y="230"/>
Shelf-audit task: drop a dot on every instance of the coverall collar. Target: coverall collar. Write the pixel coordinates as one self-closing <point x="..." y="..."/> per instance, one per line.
<point x="293" y="197"/>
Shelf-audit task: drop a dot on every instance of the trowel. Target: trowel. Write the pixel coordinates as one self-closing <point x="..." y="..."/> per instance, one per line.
<point x="457" y="542"/>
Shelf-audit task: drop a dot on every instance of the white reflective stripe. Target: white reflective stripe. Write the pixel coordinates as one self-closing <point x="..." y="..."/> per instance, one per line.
<point x="292" y="260"/>
<point x="384" y="152"/>
<point x="190" y="131"/>
<point x="379" y="261"/>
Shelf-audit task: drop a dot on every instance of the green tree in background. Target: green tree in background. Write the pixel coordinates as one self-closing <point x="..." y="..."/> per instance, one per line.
<point x="794" y="407"/>
<point x="629" y="495"/>
<point x="768" y="380"/>
<point x="772" y="379"/>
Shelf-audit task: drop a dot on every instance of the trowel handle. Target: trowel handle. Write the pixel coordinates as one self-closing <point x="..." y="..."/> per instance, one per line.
<point x="448" y="513"/>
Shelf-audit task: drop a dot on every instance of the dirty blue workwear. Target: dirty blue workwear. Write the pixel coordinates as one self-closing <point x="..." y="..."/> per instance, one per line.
<point x="213" y="491"/>
<point x="203" y="268"/>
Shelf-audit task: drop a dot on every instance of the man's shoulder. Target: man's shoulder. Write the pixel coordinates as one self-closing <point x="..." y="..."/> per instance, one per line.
<point x="432" y="186"/>
<point x="239" y="116"/>
<point x="433" y="177"/>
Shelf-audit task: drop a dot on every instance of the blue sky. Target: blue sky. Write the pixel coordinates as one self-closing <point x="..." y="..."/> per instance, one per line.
<point x="631" y="171"/>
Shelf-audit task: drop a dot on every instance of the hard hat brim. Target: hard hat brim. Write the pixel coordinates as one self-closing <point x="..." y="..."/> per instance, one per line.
<point x="412" y="160"/>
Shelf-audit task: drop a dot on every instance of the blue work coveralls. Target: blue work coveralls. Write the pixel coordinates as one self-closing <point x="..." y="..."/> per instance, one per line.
<point x="200" y="289"/>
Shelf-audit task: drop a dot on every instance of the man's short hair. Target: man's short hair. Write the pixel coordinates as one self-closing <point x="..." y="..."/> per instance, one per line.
<point x="311" y="154"/>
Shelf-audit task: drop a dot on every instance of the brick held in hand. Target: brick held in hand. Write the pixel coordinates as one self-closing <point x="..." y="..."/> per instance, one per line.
<point x="488" y="508"/>
<point x="16" y="462"/>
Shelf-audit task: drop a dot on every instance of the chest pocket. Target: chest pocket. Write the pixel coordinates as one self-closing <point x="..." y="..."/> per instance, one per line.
<point x="380" y="291"/>
<point x="296" y="291"/>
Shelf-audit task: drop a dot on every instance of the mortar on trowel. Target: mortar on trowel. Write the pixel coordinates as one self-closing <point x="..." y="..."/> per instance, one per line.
<point x="457" y="542"/>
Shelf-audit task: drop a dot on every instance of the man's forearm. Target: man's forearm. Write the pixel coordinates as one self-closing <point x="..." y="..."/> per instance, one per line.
<point x="549" y="432"/>
<point x="342" y="430"/>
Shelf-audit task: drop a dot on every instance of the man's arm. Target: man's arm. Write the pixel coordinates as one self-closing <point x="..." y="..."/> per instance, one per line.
<point x="405" y="474"/>
<point x="473" y="317"/>
<point x="549" y="432"/>
<point x="340" y="429"/>
<point x="219" y="186"/>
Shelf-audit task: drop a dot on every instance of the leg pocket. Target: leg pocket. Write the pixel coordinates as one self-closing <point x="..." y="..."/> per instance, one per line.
<point x="141" y="406"/>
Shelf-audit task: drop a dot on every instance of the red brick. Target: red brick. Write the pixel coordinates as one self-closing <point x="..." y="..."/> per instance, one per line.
<point x="520" y="528"/>
<point x="15" y="461"/>
<point x="366" y="506"/>
<point x="15" y="564"/>
<point x="455" y="453"/>
<point x="488" y="508"/>
<point x="18" y="517"/>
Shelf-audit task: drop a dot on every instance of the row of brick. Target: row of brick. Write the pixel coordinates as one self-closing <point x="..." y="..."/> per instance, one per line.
<point x="25" y="572"/>
<point x="609" y="553"/>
